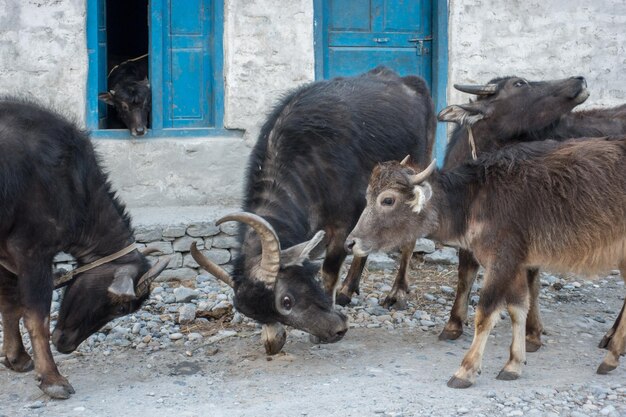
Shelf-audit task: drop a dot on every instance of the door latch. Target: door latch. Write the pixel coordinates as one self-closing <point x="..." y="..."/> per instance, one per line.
<point x="420" y="49"/>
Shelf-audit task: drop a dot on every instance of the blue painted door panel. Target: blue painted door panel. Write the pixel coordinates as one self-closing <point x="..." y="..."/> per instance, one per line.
<point x="361" y="34"/>
<point x="187" y="95"/>
<point x="354" y="61"/>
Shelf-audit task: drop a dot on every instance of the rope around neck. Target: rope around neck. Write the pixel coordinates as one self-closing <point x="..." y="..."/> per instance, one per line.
<point x="70" y="275"/>
<point x="470" y="137"/>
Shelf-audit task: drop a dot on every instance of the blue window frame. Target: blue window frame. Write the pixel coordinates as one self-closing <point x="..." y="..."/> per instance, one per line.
<point x="410" y="36"/>
<point x="186" y="58"/>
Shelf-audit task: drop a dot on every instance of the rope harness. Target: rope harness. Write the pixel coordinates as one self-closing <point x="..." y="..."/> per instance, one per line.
<point x="470" y="137"/>
<point x="63" y="280"/>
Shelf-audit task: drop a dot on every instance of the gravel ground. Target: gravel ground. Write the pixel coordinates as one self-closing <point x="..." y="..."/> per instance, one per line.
<point x="188" y="353"/>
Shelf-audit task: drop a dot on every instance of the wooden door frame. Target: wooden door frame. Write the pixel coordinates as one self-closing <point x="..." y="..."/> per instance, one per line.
<point x="156" y="46"/>
<point x="439" y="61"/>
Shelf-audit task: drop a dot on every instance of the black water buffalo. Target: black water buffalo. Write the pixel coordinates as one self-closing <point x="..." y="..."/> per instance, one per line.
<point x="512" y="110"/>
<point x="560" y="205"/>
<point x="130" y="95"/>
<point x="54" y="197"/>
<point x="305" y="189"/>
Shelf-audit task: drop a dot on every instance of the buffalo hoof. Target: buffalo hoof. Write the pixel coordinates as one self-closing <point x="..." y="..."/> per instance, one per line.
<point x="532" y="345"/>
<point x="342" y="299"/>
<point x="605" y="368"/>
<point x="60" y="390"/>
<point x="450" y="334"/>
<point x="455" y="382"/>
<point x="23" y="363"/>
<point x="507" y="376"/>
<point x="397" y="302"/>
<point x="274" y="337"/>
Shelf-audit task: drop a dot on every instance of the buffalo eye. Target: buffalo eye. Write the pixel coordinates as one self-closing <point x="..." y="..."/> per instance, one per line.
<point x="388" y="201"/>
<point x="520" y="83"/>
<point x="124" y="106"/>
<point x="287" y="302"/>
<point x="121" y="310"/>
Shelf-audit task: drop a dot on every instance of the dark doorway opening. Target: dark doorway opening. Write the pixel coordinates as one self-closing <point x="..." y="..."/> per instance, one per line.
<point x="127" y="39"/>
<point x="127" y="30"/>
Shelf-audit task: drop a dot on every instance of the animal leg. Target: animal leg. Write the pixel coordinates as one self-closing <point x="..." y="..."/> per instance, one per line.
<point x="604" y="343"/>
<point x="398" y="295"/>
<point x="517" y="305"/>
<point x="35" y="288"/>
<point x="470" y="368"/>
<point x="534" y="328"/>
<point x="335" y="255"/>
<point x="468" y="269"/>
<point x="617" y="339"/>
<point x="497" y="290"/>
<point x="15" y="356"/>
<point x="351" y="283"/>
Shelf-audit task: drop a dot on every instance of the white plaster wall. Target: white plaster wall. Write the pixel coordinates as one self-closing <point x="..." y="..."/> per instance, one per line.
<point x="43" y="52"/>
<point x="176" y="172"/>
<point x="540" y="40"/>
<point x="268" y="50"/>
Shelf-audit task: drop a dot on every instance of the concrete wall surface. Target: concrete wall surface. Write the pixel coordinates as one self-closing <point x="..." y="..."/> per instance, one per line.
<point x="268" y="50"/>
<point x="540" y="40"/>
<point x="43" y="52"/>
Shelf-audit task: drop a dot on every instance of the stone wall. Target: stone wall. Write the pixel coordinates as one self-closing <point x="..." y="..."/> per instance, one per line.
<point x="218" y="243"/>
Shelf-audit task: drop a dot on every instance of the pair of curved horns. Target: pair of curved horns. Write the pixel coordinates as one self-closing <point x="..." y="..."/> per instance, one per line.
<point x="420" y="176"/>
<point x="480" y="90"/>
<point x="270" y="249"/>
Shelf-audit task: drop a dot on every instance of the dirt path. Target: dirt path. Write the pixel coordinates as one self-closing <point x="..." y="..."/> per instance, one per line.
<point x="380" y="371"/>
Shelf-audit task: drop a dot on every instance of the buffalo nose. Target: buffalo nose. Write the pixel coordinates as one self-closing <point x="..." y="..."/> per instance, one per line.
<point x="349" y="244"/>
<point x="140" y="131"/>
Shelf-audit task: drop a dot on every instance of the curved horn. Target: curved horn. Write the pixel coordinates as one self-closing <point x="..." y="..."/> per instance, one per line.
<point x="480" y="90"/>
<point x="214" y="269"/>
<point x="147" y="251"/>
<point x="270" y="244"/>
<point x="143" y="285"/>
<point x="405" y="160"/>
<point x="421" y="176"/>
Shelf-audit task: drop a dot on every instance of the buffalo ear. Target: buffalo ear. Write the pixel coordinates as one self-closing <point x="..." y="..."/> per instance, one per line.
<point x="464" y="114"/>
<point x="297" y="254"/>
<point x="123" y="284"/>
<point x="107" y="97"/>
<point x="421" y="195"/>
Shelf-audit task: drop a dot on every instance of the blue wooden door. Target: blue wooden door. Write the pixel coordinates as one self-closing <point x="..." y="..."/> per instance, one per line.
<point x="183" y="64"/>
<point x="361" y="34"/>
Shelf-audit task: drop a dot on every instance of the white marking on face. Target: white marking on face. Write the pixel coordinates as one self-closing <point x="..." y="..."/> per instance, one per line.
<point x="422" y="194"/>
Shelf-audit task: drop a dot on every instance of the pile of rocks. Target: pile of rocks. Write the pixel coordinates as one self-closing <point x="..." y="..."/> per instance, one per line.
<point x="198" y="308"/>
